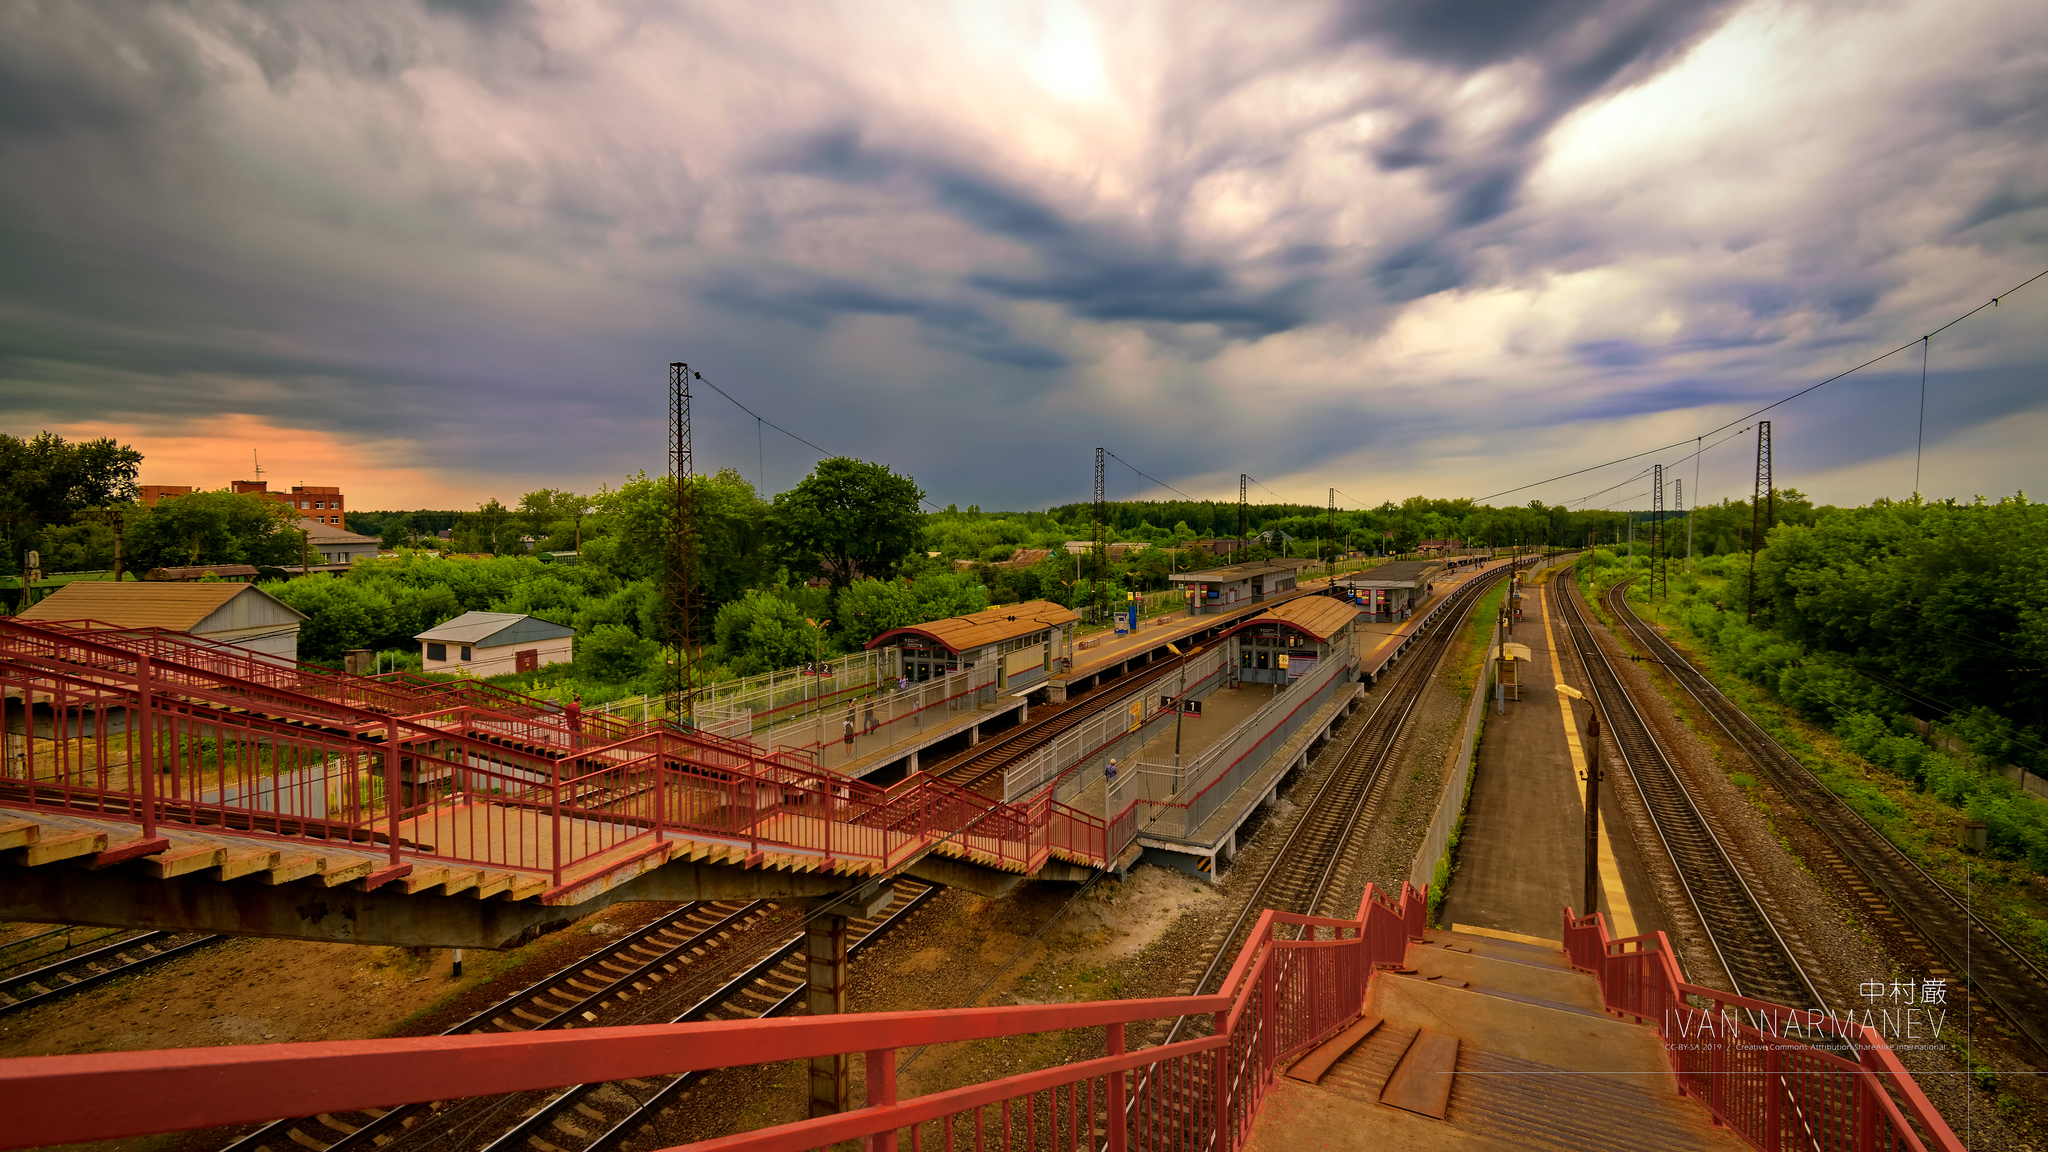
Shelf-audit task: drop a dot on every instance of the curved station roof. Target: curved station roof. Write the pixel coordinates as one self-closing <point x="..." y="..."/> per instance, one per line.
<point x="958" y="634"/>
<point x="1317" y="617"/>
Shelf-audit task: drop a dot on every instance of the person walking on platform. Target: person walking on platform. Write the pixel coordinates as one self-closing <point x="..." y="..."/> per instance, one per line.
<point x="849" y="727"/>
<point x="1109" y="773"/>
<point x="868" y="728"/>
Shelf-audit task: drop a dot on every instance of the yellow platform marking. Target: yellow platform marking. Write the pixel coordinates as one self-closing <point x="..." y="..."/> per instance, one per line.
<point x="1511" y="937"/>
<point x="1621" y="917"/>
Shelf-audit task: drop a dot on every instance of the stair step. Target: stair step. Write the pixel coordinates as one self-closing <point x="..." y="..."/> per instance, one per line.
<point x="1310" y="1068"/>
<point x="1422" y="1082"/>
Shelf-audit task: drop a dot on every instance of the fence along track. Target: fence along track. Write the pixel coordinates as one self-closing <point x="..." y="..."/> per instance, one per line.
<point x="1300" y="875"/>
<point x="1992" y="967"/>
<point x="97" y="964"/>
<point x="595" y="989"/>
<point x="1758" y="962"/>
<point x="988" y="763"/>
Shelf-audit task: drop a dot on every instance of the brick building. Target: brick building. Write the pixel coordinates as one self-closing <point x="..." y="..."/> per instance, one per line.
<point x="322" y="505"/>
<point x="316" y="503"/>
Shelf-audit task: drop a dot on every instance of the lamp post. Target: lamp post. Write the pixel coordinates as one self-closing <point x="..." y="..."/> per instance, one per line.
<point x="817" y="651"/>
<point x="1592" y="800"/>
<point x="1180" y="708"/>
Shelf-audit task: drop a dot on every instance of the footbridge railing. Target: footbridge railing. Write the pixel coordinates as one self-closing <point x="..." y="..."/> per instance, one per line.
<point x="1282" y="997"/>
<point x="154" y="728"/>
<point x="1749" y="1062"/>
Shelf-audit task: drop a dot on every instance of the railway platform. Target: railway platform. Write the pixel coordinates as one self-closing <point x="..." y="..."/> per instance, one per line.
<point x="1521" y="852"/>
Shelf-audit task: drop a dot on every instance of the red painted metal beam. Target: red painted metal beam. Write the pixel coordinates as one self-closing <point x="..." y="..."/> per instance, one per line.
<point x="106" y="1095"/>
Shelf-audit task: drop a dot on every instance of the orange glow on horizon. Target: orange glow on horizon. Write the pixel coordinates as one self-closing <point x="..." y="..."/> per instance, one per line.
<point x="290" y="456"/>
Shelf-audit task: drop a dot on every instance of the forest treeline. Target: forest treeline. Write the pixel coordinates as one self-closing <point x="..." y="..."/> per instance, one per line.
<point x="1890" y="622"/>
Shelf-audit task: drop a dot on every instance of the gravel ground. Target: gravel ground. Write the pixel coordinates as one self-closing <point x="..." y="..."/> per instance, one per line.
<point x="1773" y="841"/>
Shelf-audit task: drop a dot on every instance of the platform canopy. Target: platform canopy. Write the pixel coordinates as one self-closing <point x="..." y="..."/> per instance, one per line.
<point x="1317" y="617"/>
<point x="959" y="634"/>
<point x="1400" y="574"/>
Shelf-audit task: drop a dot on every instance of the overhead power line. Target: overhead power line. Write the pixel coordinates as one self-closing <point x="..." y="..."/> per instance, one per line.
<point x="1161" y="483"/>
<point x="779" y="428"/>
<point x="1991" y="303"/>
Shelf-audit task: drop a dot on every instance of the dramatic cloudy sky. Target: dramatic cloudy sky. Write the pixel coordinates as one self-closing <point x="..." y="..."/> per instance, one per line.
<point x="437" y="251"/>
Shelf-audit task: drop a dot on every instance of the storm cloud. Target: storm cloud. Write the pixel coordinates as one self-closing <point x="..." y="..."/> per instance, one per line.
<point x="1391" y="246"/>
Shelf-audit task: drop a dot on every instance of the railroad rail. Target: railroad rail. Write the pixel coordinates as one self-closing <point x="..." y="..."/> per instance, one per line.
<point x="98" y="963"/>
<point x="987" y="763"/>
<point x="1995" y="970"/>
<point x="976" y="767"/>
<point x="1305" y="868"/>
<point x="1758" y="961"/>
<point x="640" y="979"/>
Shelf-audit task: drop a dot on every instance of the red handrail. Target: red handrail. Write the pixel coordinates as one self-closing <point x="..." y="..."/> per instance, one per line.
<point x="1201" y="1093"/>
<point x="1733" y="1055"/>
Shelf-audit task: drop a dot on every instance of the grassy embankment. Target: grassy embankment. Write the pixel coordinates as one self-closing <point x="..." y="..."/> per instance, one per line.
<point x="1917" y="798"/>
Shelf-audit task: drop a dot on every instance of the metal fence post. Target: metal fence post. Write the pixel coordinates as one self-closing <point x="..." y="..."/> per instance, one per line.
<point x="391" y="788"/>
<point x="555" y="819"/>
<point x="1118" y="1141"/>
<point x="144" y="728"/>
<point x="881" y="1092"/>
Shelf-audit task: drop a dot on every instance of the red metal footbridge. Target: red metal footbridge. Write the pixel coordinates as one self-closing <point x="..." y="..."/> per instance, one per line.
<point x="1298" y="984"/>
<point x="437" y="785"/>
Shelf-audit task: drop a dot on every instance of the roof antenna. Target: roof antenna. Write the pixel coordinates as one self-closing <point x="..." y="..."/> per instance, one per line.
<point x="258" y="462"/>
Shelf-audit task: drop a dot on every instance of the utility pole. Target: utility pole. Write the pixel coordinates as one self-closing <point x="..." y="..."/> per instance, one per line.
<point x="1244" y="524"/>
<point x="1101" y="564"/>
<point x="1656" y="527"/>
<point x="1678" y="487"/>
<point x="1759" y="518"/>
<point x="681" y="571"/>
<point x="1331" y="531"/>
<point x="1592" y="815"/>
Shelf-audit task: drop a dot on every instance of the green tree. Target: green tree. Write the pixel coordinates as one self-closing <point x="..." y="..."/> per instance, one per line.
<point x="217" y="527"/>
<point x="44" y="480"/>
<point x="492" y="529"/>
<point x="553" y="517"/>
<point x="848" y="519"/>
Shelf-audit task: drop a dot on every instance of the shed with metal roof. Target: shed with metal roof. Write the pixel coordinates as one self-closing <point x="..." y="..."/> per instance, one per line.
<point x="495" y="643"/>
<point x="222" y="612"/>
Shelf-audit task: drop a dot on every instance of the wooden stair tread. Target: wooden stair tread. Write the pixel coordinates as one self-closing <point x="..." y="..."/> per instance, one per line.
<point x="1422" y="1082"/>
<point x="1310" y="1068"/>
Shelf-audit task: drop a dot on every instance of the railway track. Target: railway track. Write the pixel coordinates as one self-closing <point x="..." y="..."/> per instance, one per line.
<point x="1737" y="923"/>
<point x="94" y="962"/>
<point x="1936" y="921"/>
<point x="1308" y="872"/>
<point x="655" y="974"/>
<point x="977" y="768"/>
<point x="985" y="765"/>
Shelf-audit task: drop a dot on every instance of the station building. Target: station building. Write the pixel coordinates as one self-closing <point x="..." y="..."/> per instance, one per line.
<point x="1388" y="593"/>
<point x="1216" y="589"/>
<point x="1284" y="644"/>
<point x="1027" y="640"/>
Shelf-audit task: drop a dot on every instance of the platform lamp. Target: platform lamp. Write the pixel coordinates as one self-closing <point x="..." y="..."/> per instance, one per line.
<point x="1592" y="799"/>
<point x="1180" y="708"/>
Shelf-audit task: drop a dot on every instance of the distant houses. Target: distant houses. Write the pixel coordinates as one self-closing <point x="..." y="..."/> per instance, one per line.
<point x="495" y="643"/>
